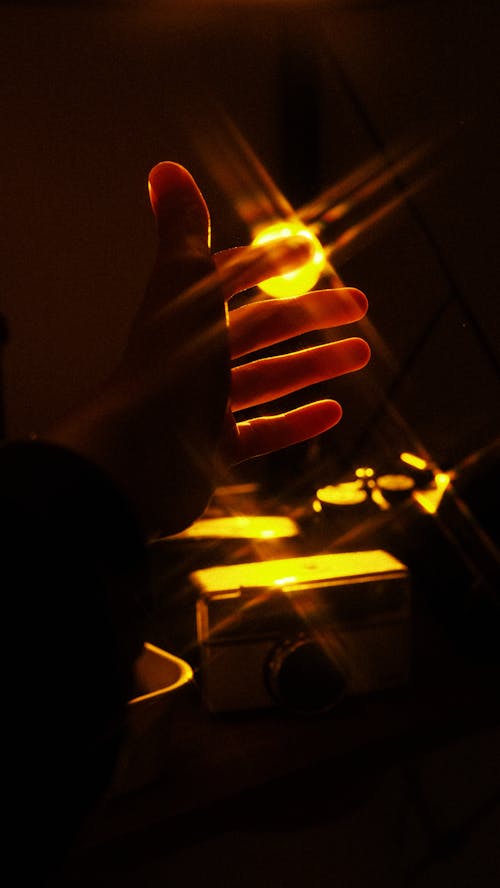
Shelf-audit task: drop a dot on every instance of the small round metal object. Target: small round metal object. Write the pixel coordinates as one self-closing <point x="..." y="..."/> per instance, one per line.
<point x="395" y="487"/>
<point x="350" y="493"/>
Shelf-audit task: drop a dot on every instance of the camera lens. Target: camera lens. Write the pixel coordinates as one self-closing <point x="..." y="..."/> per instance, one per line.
<point x="304" y="677"/>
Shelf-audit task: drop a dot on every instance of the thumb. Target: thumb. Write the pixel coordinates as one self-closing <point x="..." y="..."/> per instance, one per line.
<point x="182" y="216"/>
<point x="183" y="252"/>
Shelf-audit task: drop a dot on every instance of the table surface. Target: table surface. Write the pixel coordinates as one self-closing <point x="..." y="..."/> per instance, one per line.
<point x="185" y="767"/>
<point x="185" y="772"/>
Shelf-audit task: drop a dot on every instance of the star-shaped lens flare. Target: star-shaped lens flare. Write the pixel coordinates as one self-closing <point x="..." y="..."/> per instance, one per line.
<point x="305" y="278"/>
<point x="337" y="220"/>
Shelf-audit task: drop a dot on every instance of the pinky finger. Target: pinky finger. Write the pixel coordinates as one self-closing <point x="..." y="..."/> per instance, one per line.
<point x="266" y="434"/>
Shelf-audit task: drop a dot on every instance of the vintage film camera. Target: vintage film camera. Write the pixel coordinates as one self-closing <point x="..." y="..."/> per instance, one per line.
<point x="302" y="632"/>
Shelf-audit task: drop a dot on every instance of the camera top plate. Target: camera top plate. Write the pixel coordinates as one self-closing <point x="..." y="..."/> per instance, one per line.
<point x="334" y="567"/>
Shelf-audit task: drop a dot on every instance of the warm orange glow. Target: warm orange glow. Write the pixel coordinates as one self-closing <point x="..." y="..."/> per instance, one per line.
<point x="380" y="500"/>
<point x="342" y="215"/>
<point x="349" y="493"/>
<point x="363" y="472"/>
<point x="430" y="499"/>
<point x="283" y="581"/>
<point x="248" y="527"/>
<point x="396" y="482"/>
<point x="411" y="459"/>
<point x="158" y="673"/>
<point x="303" y="279"/>
<point x="281" y="571"/>
<point x="441" y="480"/>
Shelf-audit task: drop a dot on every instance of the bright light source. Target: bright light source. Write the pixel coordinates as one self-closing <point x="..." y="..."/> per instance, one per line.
<point x="380" y="500"/>
<point x="411" y="459"/>
<point x="430" y="499"/>
<point x="303" y="279"/>
<point x="349" y="493"/>
<point x="248" y="527"/>
<point x="441" y="480"/>
<point x="395" y="483"/>
<point x="363" y="472"/>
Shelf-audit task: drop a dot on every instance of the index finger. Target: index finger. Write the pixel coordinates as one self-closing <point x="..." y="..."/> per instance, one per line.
<point x="243" y="267"/>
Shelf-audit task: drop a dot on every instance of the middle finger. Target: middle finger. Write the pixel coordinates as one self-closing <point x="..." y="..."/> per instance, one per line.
<point x="269" y="321"/>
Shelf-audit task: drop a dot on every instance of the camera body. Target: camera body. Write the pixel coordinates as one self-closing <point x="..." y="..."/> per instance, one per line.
<point x="302" y="632"/>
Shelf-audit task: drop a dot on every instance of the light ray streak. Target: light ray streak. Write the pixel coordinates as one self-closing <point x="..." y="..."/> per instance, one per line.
<point x="236" y="163"/>
<point x="337" y="194"/>
<point x="225" y="278"/>
<point x="349" y="236"/>
<point x="299" y="596"/>
<point x="363" y="183"/>
<point x="238" y="170"/>
<point x="480" y="535"/>
<point x="259" y="202"/>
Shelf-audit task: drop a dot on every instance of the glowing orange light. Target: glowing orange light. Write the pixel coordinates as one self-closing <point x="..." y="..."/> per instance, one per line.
<point x="303" y="279"/>
<point x="283" y="581"/>
<point x="430" y="499"/>
<point x="380" y="500"/>
<point x="349" y="493"/>
<point x="239" y="578"/>
<point x="249" y="527"/>
<point x="411" y="459"/>
<point x="441" y="480"/>
<point x="158" y="673"/>
<point x="396" y="482"/>
<point x="363" y="472"/>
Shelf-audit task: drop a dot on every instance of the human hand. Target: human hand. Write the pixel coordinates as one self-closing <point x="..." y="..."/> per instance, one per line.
<point x="163" y="425"/>
<point x="266" y="322"/>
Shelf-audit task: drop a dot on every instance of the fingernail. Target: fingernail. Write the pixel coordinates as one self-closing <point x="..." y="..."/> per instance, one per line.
<point x="165" y="177"/>
<point x="360" y="299"/>
<point x="177" y="202"/>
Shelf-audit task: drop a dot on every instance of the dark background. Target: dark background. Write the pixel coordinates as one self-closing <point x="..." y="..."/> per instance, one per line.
<point x="94" y="94"/>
